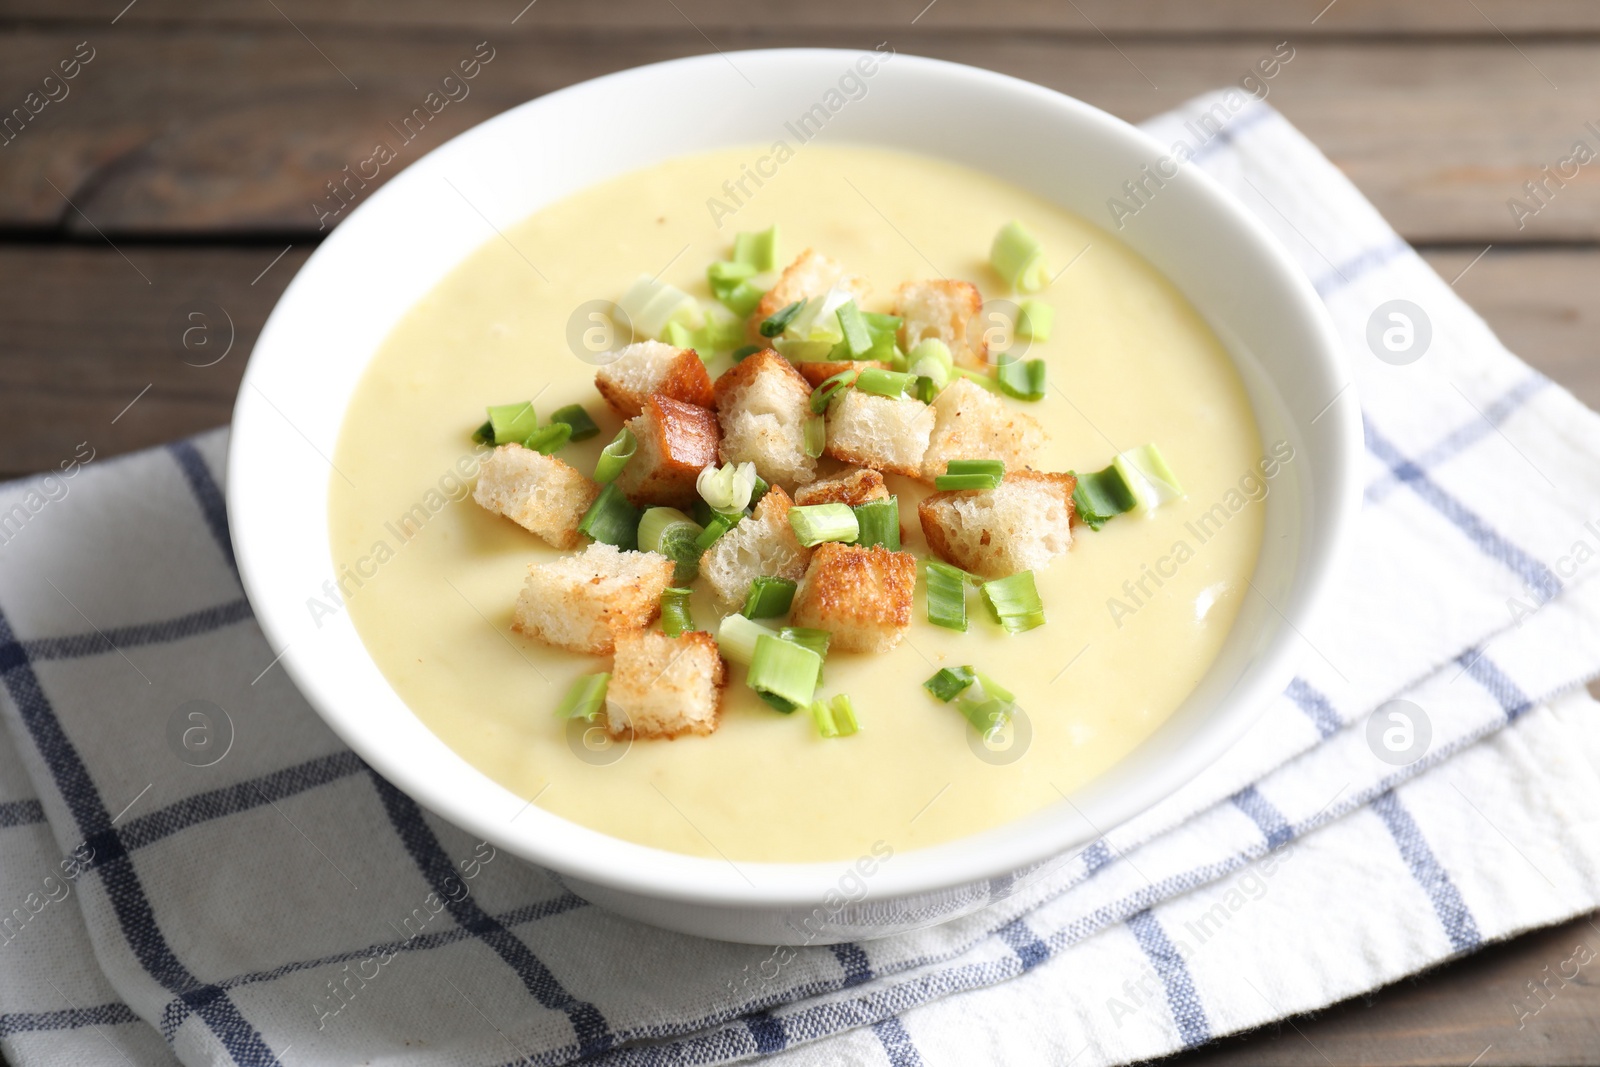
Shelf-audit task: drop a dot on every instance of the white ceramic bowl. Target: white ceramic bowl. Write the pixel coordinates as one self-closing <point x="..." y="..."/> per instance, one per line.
<point x="397" y="245"/>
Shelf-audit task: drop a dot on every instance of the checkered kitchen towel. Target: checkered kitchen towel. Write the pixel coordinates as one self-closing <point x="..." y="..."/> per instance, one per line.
<point x="286" y="905"/>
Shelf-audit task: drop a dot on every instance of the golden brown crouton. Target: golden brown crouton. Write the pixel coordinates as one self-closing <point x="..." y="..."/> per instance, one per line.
<point x="972" y="423"/>
<point x="664" y="686"/>
<point x="652" y="367"/>
<point x="676" y="441"/>
<point x="537" y="492"/>
<point x="811" y="274"/>
<point x="762" y="544"/>
<point x="763" y="404"/>
<point x="860" y="595"/>
<point x="583" y="601"/>
<point x="818" y="371"/>
<point x="884" y="433"/>
<point x="853" y="486"/>
<point x="944" y="310"/>
<point x="1021" y="526"/>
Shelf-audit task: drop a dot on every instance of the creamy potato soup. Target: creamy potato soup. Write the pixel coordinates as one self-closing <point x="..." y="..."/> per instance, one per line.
<point x="1135" y="612"/>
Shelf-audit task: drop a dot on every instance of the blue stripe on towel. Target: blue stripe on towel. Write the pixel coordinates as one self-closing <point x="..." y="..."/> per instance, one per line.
<point x="1187" y="1011"/>
<point x="1467" y="434"/>
<point x="1317" y="707"/>
<point x="1513" y="701"/>
<point x="1096" y="856"/>
<point x="897" y="1043"/>
<point x="207" y="494"/>
<point x="766" y="1032"/>
<point x="1025" y="943"/>
<point x="853" y="961"/>
<point x="1361" y="263"/>
<point x="21" y="813"/>
<point x="27" y="1022"/>
<point x="1453" y="913"/>
<point x="166" y="631"/>
<point x="1274" y="827"/>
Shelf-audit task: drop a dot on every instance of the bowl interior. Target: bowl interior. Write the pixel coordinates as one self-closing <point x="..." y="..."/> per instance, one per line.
<point x="396" y="246"/>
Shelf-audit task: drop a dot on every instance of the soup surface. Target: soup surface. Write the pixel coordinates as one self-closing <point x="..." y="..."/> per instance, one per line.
<point x="1136" y="611"/>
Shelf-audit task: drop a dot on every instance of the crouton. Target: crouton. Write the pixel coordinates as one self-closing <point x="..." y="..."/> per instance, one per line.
<point x="537" y="492"/>
<point x="675" y="442"/>
<point x="652" y="367"/>
<point x="762" y="544"/>
<point x="972" y="423"/>
<point x="1020" y="526"/>
<point x="763" y="404"/>
<point x="664" y="686"/>
<point x="884" y="433"/>
<point x="811" y="274"/>
<point x="942" y="309"/>
<point x="583" y="601"/>
<point x="817" y="371"/>
<point x="860" y="595"/>
<point x="853" y="486"/>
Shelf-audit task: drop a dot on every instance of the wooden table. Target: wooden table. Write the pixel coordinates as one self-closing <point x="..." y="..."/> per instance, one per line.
<point x="182" y="160"/>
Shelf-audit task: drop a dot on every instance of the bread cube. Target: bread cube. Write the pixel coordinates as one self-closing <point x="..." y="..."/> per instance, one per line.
<point x="860" y="595"/>
<point x="1020" y="526"/>
<point x="853" y="486"/>
<point x="972" y="423"/>
<point x="763" y="404"/>
<point x="811" y="274"/>
<point x="652" y="367"/>
<point x="943" y="309"/>
<point x="762" y="544"/>
<point x="540" y="493"/>
<point x="885" y="433"/>
<point x="676" y="441"/>
<point x="664" y="686"/>
<point x="583" y="601"/>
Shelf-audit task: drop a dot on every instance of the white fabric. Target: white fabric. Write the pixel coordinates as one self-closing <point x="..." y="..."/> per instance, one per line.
<point x="227" y="904"/>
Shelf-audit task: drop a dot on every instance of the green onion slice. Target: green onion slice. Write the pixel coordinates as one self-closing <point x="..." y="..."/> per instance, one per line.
<point x="615" y="456"/>
<point x="816" y="523"/>
<point x="856" y="334"/>
<point x="1148" y="477"/>
<point x="784" y="670"/>
<point x="822" y="715"/>
<point x="574" y="415"/>
<point x="844" y="715"/>
<point x="740" y="298"/>
<point x="971" y="474"/>
<point x="512" y="422"/>
<point x="548" y="440"/>
<point x="878" y="523"/>
<point x="949" y="682"/>
<point x="1035" y="320"/>
<point x="678" y="335"/>
<point x="675" y="617"/>
<point x="931" y="359"/>
<point x="808" y="637"/>
<point x="778" y="321"/>
<point x="612" y="519"/>
<point x="758" y="250"/>
<point x="988" y="717"/>
<point x="816" y="431"/>
<point x="880" y="382"/>
<point x="1017" y="256"/>
<point x="650" y="305"/>
<point x="719" y="525"/>
<point x="824" y="393"/>
<point x="980" y="378"/>
<point x="947" y="595"/>
<point x="585" y="699"/>
<point x="728" y="488"/>
<point x="1014" y="602"/>
<point x="768" y="598"/>
<point x="1101" y="496"/>
<point x="737" y="637"/>
<point x="1024" y="380"/>
<point x="484" y="434"/>
<point x="673" y="534"/>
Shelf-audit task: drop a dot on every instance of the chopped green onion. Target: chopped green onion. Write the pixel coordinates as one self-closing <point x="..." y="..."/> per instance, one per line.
<point x="744" y="352"/>
<point x="878" y="523"/>
<point x="718" y="334"/>
<point x="854" y="327"/>
<point x="931" y="359"/>
<point x="879" y="323"/>
<point x="741" y="298"/>
<point x="1017" y="256"/>
<point x="585" y="699"/>
<point x="548" y="440"/>
<point x="575" y="416"/>
<point x="844" y="715"/>
<point x="971" y="474"/>
<point x="758" y="491"/>
<point x="512" y="422"/>
<point x="728" y="488"/>
<point x="1019" y="379"/>
<point x="880" y="382"/>
<point x="759" y="249"/>
<point x="719" y="525"/>
<point x="988" y="717"/>
<point x="728" y="272"/>
<point x="808" y="637"/>
<point x="1101" y="496"/>
<point x="650" y="305"/>
<point x="678" y="335"/>
<point x="947" y="595"/>
<point x="673" y="534"/>
<point x="777" y="322"/>
<point x="1035" y="319"/>
<point x="615" y="456"/>
<point x="768" y="597"/>
<point x="612" y="519"/>
<point x="822" y="715"/>
<point x="816" y="523"/>
<point x="737" y="637"/>
<point x="798" y="351"/>
<point x="816" y="431"/>
<point x="1148" y="477"/>
<point x="675" y="617"/>
<point x="978" y="377"/>
<point x="949" y="682"/>
<point x="823" y="394"/>
<point x="1014" y="602"/>
<point x="925" y="389"/>
<point x="784" y="670"/>
<point x="484" y="434"/>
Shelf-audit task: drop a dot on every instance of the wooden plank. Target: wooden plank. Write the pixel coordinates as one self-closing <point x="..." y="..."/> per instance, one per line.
<point x="1088" y="18"/>
<point x="141" y="151"/>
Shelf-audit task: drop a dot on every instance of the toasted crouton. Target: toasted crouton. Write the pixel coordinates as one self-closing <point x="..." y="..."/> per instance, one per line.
<point x="537" y="492"/>
<point x="1020" y="526"/>
<point x="942" y="309"/>
<point x="972" y="423"/>
<point x="676" y="441"/>
<point x="853" y="486"/>
<point x="763" y="544"/>
<point x="817" y="371"/>
<point x="652" y="367"/>
<point x="884" y="433"/>
<point x="860" y="595"/>
<point x="811" y="274"/>
<point x="664" y="686"/>
<point x="582" y="602"/>
<point x="763" y="404"/>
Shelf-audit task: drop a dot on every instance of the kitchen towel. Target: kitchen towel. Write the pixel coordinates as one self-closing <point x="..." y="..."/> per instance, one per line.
<point x="261" y="897"/>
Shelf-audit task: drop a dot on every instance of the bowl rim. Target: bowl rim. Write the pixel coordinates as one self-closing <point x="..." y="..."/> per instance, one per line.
<point x="594" y="857"/>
